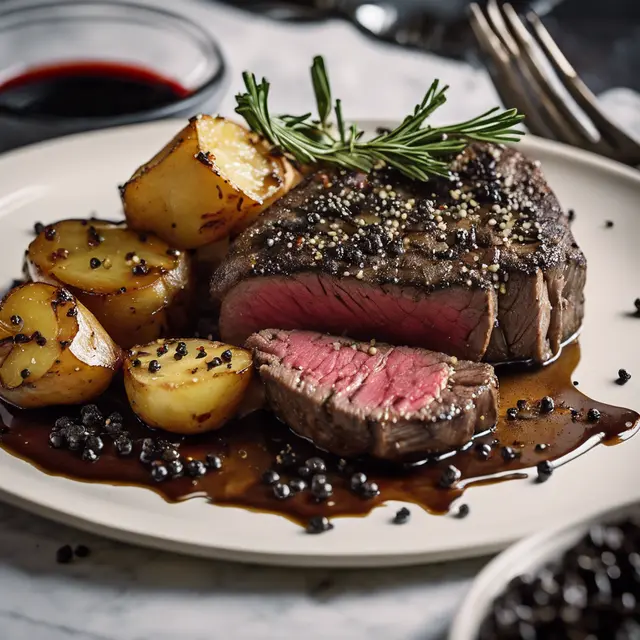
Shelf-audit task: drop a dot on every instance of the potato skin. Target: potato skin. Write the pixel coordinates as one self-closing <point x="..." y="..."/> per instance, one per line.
<point x="83" y="370"/>
<point x="186" y="196"/>
<point x="179" y="405"/>
<point x="137" y="315"/>
<point x="291" y="177"/>
<point x="142" y="315"/>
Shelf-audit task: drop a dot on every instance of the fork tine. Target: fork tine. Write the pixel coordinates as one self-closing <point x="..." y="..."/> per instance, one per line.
<point x="530" y="84"/>
<point x="502" y="72"/>
<point x="575" y="86"/>
<point x="574" y="131"/>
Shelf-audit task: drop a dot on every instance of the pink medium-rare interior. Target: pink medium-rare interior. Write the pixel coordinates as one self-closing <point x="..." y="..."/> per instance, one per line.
<point x="398" y="378"/>
<point x="456" y="320"/>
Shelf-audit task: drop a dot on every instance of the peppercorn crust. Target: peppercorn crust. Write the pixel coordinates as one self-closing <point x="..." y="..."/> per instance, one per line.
<point x="495" y="225"/>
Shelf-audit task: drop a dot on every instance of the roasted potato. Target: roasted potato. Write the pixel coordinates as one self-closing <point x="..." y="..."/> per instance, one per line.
<point x="135" y="284"/>
<point x="52" y="349"/>
<point x="210" y="181"/>
<point x="186" y="386"/>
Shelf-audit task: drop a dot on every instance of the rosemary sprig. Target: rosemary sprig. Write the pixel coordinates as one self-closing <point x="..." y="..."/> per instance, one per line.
<point x="413" y="148"/>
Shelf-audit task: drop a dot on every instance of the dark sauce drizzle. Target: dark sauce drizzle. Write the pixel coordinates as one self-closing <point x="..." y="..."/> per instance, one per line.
<point x="257" y="443"/>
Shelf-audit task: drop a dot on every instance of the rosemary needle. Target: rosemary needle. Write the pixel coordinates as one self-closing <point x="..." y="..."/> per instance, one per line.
<point x="416" y="150"/>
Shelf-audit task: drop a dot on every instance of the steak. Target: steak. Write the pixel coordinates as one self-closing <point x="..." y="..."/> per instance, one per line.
<point x="352" y="398"/>
<point x="481" y="265"/>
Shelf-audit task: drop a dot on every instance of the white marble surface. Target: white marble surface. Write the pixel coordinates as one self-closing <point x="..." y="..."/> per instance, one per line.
<point x="123" y="592"/>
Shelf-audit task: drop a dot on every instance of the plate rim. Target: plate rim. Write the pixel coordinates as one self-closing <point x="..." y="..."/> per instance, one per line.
<point x="336" y="558"/>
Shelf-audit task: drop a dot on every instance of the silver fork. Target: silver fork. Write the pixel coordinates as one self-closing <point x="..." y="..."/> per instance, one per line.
<point x="516" y="49"/>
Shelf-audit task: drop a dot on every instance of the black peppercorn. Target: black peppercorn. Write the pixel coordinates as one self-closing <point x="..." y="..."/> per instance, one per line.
<point x="281" y="491"/>
<point x="64" y="555"/>
<point x="16" y="320"/>
<point x="95" y="443"/>
<point x="483" y="450"/>
<point x="508" y="454"/>
<point x="161" y="350"/>
<point x="147" y="456"/>
<point x="159" y="472"/>
<point x="124" y="446"/>
<point x="136" y="363"/>
<point x="512" y="413"/>
<point x="94" y="263"/>
<point x="623" y="376"/>
<point x="357" y="480"/>
<point x="463" y="511"/>
<point x="56" y="440"/>
<point x="82" y="551"/>
<point x="89" y="455"/>
<point x="547" y="405"/>
<point x="316" y="465"/>
<point x="449" y="477"/>
<point x="154" y="366"/>
<point x="25" y="373"/>
<point x="176" y="468"/>
<point x="304" y="472"/>
<point x="297" y="485"/>
<point x="270" y="477"/>
<point x="370" y="490"/>
<point x="545" y="469"/>
<point x="321" y="491"/>
<point x="196" y="468"/>
<point x="38" y="228"/>
<point x="402" y="516"/>
<point x="213" y="462"/>
<point x="50" y="233"/>
<point x="170" y="454"/>
<point x="318" y="524"/>
<point x="593" y="415"/>
<point x="226" y="355"/>
<point x="181" y="348"/>
<point x="216" y="362"/>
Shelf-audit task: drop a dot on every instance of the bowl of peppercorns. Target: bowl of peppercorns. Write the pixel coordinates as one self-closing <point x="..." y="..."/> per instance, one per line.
<point x="578" y="581"/>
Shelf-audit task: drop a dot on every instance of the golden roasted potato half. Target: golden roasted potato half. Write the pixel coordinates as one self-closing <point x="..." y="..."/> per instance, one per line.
<point x="186" y="386"/>
<point x="52" y="349"/>
<point x="210" y="181"/>
<point x="135" y="284"/>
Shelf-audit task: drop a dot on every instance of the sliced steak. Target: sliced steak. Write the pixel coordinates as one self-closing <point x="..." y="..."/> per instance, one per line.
<point x="390" y="402"/>
<point x="482" y="266"/>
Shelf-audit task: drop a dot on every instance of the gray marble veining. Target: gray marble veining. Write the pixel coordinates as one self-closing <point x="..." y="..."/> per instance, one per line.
<point x="126" y="593"/>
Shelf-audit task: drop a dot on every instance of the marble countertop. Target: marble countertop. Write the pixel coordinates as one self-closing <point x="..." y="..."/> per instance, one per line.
<point x="122" y="592"/>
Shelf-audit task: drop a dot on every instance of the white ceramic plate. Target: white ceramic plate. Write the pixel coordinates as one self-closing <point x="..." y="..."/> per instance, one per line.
<point x="77" y="176"/>
<point x="526" y="557"/>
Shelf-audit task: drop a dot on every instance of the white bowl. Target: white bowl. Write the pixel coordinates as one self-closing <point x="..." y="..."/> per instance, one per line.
<point x="527" y="556"/>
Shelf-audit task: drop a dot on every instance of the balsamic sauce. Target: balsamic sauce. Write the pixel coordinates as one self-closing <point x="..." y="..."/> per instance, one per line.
<point x="249" y="447"/>
<point x="88" y="90"/>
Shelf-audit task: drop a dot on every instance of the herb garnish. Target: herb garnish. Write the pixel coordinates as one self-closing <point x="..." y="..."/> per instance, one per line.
<point x="415" y="150"/>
